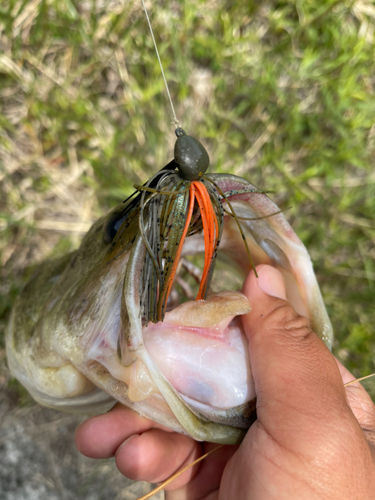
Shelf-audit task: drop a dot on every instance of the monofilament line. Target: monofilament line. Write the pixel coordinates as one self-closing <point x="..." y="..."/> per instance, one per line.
<point x="175" y="120"/>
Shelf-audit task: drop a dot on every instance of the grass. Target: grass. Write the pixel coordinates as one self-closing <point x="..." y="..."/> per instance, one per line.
<point x="281" y="93"/>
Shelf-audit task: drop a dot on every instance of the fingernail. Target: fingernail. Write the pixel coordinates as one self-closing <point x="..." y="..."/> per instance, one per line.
<point x="271" y="282"/>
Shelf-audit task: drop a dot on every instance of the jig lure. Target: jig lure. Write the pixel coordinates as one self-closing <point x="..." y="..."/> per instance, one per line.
<point x="177" y="202"/>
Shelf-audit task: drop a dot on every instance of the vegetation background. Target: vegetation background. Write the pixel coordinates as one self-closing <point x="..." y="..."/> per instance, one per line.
<point x="280" y="92"/>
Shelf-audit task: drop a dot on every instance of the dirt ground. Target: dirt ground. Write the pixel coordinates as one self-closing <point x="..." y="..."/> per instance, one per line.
<point x="38" y="459"/>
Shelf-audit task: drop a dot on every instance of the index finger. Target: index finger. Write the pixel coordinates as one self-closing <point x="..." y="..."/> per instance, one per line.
<point x="100" y="436"/>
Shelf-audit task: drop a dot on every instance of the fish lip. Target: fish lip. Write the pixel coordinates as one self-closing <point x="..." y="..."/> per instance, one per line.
<point x="211" y="313"/>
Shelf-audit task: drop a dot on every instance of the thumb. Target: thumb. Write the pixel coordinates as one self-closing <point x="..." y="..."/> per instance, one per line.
<point x="296" y="378"/>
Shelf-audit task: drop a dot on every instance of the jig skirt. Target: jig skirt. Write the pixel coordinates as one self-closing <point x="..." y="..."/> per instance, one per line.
<point x="177" y="202"/>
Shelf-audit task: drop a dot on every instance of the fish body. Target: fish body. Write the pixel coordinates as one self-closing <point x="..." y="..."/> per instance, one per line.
<point x="77" y="340"/>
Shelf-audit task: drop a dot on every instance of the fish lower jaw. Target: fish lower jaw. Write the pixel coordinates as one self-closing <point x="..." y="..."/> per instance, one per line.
<point x="201" y="350"/>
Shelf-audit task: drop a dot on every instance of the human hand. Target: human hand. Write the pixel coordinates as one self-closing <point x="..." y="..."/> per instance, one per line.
<point x="312" y="438"/>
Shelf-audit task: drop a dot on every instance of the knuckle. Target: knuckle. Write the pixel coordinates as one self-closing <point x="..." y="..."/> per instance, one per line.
<point x="285" y="320"/>
<point x="293" y="331"/>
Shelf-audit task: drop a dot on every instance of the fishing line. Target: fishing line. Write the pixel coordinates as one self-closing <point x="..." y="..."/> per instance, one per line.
<point x="175" y="120"/>
<point x="175" y="203"/>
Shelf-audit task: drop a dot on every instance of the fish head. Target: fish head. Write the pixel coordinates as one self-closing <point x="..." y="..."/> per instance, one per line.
<point x="84" y="343"/>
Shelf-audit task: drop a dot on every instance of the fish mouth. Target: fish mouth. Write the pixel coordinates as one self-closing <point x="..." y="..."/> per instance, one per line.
<point x="173" y="374"/>
<point x="106" y="344"/>
<point x="201" y="350"/>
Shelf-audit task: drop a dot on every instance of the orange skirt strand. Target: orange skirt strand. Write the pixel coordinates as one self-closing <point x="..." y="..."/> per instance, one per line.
<point x="163" y="299"/>
<point x="210" y="232"/>
<point x="198" y="191"/>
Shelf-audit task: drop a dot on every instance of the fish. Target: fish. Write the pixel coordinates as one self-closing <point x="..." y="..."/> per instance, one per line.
<point x="79" y="338"/>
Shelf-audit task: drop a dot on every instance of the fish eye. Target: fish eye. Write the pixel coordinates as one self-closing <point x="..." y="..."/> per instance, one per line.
<point x="112" y="225"/>
<point x="191" y="157"/>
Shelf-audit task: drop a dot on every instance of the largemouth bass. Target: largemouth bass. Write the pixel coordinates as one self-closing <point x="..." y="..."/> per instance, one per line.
<point x="76" y="339"/>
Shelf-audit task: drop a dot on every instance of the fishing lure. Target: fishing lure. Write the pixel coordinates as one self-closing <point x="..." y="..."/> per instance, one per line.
<point x="179" y="201"/>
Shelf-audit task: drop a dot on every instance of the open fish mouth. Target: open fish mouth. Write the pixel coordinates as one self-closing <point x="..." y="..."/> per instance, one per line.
<point x="196" y="360"/>
<point x="90" y="346"/>
<point x="200" y="348"/>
